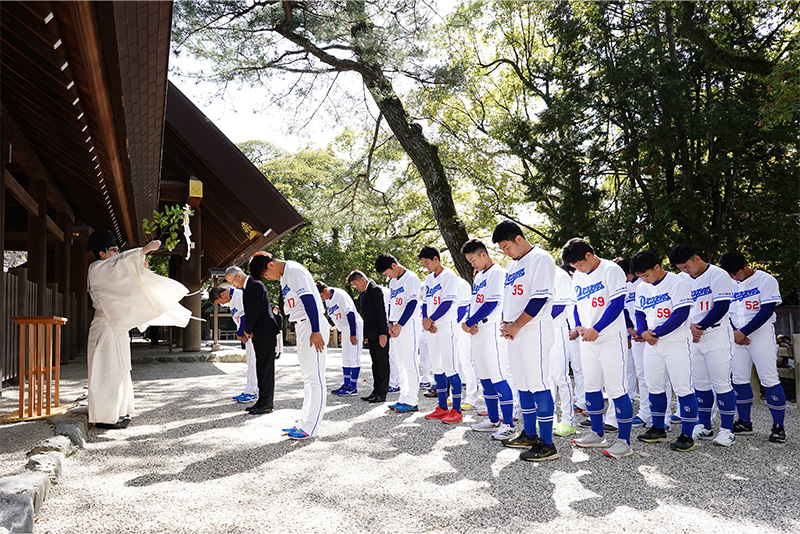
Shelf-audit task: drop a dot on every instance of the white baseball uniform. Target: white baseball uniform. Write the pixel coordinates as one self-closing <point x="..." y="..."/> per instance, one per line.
<point x="559" y="354"/>
<point x="670" y="358"/>
<point x="442" y="346"/>
<point x="465" y="365"/>
<point x="394" y="372"/>
<point x="487" y="346"/>
<point x="296" y="282"/>
<point x="402" y="291"/>
<point x="748" y="297"/>
<point x="236" y="306"/>
<point x="531" y="276"/>
<point x="637" y="353"/>
<point x="338" y="307"/>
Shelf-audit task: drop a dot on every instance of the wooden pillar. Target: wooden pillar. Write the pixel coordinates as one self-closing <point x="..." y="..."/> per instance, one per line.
<point x="215" y="344"/>
<point x="64" y="279"/>
<point x="37" y="243"/>
<point x="79" y="271"/>
<point x="192" y="277"/>
<point x="4" y="153"/>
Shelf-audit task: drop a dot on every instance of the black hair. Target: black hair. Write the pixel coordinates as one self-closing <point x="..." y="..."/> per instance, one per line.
<point x="101" y="241"/>
<point x="506" y="231"/>
<point x="383" y="262"/>
<point x="682" y="254"/>
<point x="321" y="286"/>
<point x="258" y="264"/>
<point x="473" y="246"/>
<point x="624" y="264"/>
<point x="732" y="262"/>
<point x="643" y="261"/>
<point x="575" y="250"/>
<point x="355" y="275"/>
<point x="567" y="267"/>
<point x="428" y="252"/>
<point x="216" y="292"/>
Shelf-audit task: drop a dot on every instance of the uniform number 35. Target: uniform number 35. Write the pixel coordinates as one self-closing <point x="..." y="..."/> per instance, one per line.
<point x="517" y="290"/>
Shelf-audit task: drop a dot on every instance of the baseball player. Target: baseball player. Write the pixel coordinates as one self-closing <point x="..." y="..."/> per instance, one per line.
<point x="600" y="293"/>
<point x="303" y="305"/>
<point x="712" y="342"/>
<point x="232" y="297"/>
<point x="637" y="345"/>
<point x="404" y="329"/>
<point x="342" y="311"/>
<point x="574" y="350"/>
<point x="394" y="372"/>
<point x="559" y="354"/>
<point x="528" y="325"/>
<point x="755" y="296"/>
<point x="465" y="366"/>
<point x="482" y="323"/>
<point x="663" y="304"/>
<point x="439" y="321"/>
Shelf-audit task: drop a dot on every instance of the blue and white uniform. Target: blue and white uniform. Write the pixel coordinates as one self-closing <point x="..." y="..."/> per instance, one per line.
<point x="754" y="300"/>
<point x="560" y="385"/>
<point x="440" y="304"/>
<point x="236" y="306"/>
<point x="404" y="309"/>
<point x="637" y="354"/>
<point x="342" y="311"/>
<point x="663" y="308"/>
<point x="529" y="288"/>
<point x="303" y="306"/>
<point x="465" y="366"/>
<point x="712" y="354"/>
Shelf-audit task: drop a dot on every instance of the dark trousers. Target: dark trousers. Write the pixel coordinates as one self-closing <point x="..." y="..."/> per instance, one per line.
<point x="380" y="366"/>
<point x="265" y="371"/>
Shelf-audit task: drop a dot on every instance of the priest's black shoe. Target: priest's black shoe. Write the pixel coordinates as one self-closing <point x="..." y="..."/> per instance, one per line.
<point x="377" y="398"/>
<point x="259" y="410"/>
<point x="369" y="397"/>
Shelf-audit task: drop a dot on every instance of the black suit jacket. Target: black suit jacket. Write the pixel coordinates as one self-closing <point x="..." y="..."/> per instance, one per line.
<point x="373" y="311"/>
<point x="258" y="317"/>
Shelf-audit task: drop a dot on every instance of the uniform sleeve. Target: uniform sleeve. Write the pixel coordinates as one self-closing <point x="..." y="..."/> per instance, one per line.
<point x="721" y="287"/>
<point x="758" y="319"/>
<point x="494" y="285"/>
<point x="542" y="277"/>
<point x="770" y="292"/>
<point x="677" y="318"/>
<point x="615" y="277"/>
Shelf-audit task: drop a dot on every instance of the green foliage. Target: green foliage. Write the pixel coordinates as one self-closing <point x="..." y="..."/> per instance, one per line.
<point x="166" y="225"/>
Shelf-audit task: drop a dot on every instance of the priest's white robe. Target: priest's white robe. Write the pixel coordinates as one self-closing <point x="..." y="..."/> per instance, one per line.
<point x="125" y="295"/>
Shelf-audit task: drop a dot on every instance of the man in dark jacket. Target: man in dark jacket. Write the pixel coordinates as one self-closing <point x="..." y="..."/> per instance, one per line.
<point x="376" y="333"/>
<point x="261" y="327"/>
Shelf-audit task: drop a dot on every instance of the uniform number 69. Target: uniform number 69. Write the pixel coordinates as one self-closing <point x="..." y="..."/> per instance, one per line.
<point x="598" y="302"/>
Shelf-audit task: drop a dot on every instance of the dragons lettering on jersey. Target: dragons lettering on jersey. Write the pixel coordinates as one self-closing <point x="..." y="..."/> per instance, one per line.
<point x="478" y="287"/>
<point x="741" y="295"/>
<point x="700" y="292"/>
<point x="512" y="277"/>
<point x="652" y="302"/>
<point x="285" y="290"/>
<point x="586" y="292"/>
<point x="431" y="291"/>
<point x="394" y="292"/>
<point x="332" y="309"/>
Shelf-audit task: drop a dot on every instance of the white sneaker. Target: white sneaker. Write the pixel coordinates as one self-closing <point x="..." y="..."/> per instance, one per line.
<point x="591" y="439"/>
<point x="504" y="431"/>
<point x="725" y="438"/>
<point x="485" y="426"/>
<point x="701" y="432"/>
<point x="620" y="449"/>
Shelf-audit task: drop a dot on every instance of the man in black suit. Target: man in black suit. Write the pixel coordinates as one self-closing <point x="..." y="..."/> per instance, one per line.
<point x="376" y="333"/>
<point x="260" y="326"/>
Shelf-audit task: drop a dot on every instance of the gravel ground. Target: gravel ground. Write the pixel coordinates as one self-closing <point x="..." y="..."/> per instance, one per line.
<point x="192" y="461"/>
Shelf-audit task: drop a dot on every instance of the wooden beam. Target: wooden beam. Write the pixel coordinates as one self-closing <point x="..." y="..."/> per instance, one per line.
<point x="53" y="228"/>
<point x="88" y="35"/>
<point x="23" y="155"/>
<point x="29" y="203"/>
<point x="37" y="243"/>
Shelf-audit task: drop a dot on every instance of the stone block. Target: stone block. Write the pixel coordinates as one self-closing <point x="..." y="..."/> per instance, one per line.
<point x="76" y="431"/>
<point x="33" y="483"/>
<point x="58" y="443"/>
<point x="48" y="463"/>
<point x="16" y="513"/>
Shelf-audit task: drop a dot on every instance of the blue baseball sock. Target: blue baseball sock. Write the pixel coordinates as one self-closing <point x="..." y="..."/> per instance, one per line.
<point x="346" y="372"/>
<point x="455" y="391"/>
<point x="528" y="405"/>
<point x="506" y="398"/>
<point x="545" y="415"/>
<point x="744" y="400"/>
<point x="490" y="396"/>
<point x="688" y="410"/>
<point x="354" y="371"/>
<point x="658" y="408"/>
<point x="727" y="409"/>
<point x="624" y="408"/>
<point x="776" y="399"/>
<point x="595" y="405"/>
<point x="705" y="404"/>
<point x="441" y="390"/>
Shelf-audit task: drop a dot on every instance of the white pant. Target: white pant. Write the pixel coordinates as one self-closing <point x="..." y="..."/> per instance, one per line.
<point x="312" y="369"/>
<point x="425" y="365"/>
<point x="577" y="372"/>
<point x="711" y="360"/>
<point x="489" y="352"/>
<point x="669" y="360"/>
<point x="637" y="355"/>
<point x="443" y="348"/>
<point x="559" y="374"/>
<point x="603" y="363"/>
<point x="529" y="356"/>
<point x="252" y="379"/>
<point x="351" y="354"/>
<point x="405" y="349"/>
<point x="466" y="367"/>
<point x="762" y="351"/>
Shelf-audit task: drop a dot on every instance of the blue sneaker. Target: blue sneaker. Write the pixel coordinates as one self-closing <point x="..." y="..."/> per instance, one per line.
<point x="406" y="408"/>
<point x="349" y="392"/>
<point x="245" y="397"/>
<point x="637" y="421"/>
<point x="393" y="390"/>
<point x="338" y="391"/>
<point x="424" y="385"/>
<point x="285" y="431"/>
<point x="298" y="434"/>
<point x="394" y="406"/>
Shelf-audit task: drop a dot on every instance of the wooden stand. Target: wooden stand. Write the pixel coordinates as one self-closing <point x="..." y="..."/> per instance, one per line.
<point x="39" y="359"/>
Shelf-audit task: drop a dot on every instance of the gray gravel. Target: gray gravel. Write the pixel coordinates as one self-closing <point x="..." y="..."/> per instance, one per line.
<point x="192" y="461"/>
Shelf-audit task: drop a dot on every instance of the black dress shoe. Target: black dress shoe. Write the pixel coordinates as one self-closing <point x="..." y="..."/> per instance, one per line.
<point x="377" y="398"/>
<point x="430" y="393"/>
<point x="253" y="407"/>
<point x="260" y="410"/>
<point x="369" y="397"/>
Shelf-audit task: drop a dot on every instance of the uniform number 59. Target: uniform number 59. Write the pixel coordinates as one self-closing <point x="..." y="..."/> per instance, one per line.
<point x="662" y="312"/>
